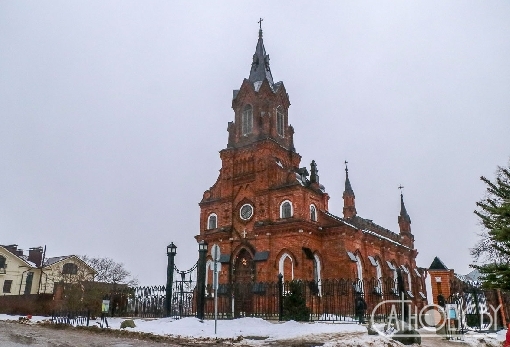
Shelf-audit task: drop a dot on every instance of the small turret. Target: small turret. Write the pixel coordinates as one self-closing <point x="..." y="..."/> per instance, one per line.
<point x="404" y="223"/>
<point x="314" y="177"/>
<point x="348" y="195"/>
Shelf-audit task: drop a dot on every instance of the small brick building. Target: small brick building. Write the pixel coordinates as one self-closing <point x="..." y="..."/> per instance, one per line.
<point x="269" y="215"/>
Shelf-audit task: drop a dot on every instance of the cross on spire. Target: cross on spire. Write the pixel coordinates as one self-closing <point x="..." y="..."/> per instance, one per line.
<point x="400" y="187"/>
<point x="346" y="162"/>
<point x="260" y="27"/>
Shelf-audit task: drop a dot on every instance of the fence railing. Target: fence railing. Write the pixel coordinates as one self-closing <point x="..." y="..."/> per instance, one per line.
<point x="76" y="318"/>
<point x="326" y="300"/>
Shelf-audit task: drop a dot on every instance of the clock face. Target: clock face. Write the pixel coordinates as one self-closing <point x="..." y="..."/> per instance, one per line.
<point x="246" y="211"/>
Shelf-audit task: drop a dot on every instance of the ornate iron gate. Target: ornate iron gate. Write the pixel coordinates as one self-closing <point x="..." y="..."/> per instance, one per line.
<point x="183" y="297"/>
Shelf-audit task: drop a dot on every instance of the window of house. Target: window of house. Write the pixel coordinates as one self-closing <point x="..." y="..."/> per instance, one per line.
<point x="7" y="286"/>
<point x="247" y="120"/>
<point x="2" y="264"/>
<point x="286" y="209"/>
<point x="212" y="221"/>
<point x="28" y="283"/>
<point x="70" y="269"/>
<point x="313" y="213"/>
<point x="279" y="120"/>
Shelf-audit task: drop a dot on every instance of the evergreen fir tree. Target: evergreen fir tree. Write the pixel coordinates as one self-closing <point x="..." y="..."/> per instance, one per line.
<point x="494" y="214"/>
<point x="294" y="303"/>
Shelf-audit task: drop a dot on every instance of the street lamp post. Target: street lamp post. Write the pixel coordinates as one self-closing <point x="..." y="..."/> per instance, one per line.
<point x="171" y="251"/>
<point x="202" y="253"/>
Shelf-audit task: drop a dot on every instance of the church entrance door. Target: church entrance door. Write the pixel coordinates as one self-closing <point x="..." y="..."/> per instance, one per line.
<point x="244" y="277"/>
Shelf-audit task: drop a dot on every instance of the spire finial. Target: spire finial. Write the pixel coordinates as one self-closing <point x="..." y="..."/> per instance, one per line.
<point x="403" y="210"/>
<point x="260" y="26"/>
<point x="260" y="65"/>
<point x="348" y="187"/>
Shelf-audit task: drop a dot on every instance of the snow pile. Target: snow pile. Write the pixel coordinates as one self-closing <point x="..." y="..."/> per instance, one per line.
<point x="254" y="327"/>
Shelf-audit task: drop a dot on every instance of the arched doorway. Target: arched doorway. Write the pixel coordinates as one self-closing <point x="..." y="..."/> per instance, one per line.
<point x="243" y="278"/>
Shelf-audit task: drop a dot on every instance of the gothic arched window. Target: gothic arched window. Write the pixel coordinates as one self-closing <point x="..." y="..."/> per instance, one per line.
<point x="286" y="209"/>
<point x="212" y="221"/>
<point x="317" y="273"/>
<point x="247" y="120"/>
<point x="286" y="267"/>
<point x="279" y="120"/>
<point x="393" y="268"/>
<point x="313" y="213"/>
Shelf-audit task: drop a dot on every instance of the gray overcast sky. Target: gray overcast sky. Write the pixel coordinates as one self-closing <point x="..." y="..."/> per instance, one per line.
<point x="112" y="114"/>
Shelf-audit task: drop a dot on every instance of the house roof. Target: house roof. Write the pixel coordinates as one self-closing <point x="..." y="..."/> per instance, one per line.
<point x="53" y="260"/>
<point x="473" y="275"/>
<point x="23" y="258"/>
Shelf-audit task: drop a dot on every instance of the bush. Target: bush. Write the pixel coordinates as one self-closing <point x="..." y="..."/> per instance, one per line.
<point x="128" y="323"/>
<point x="294" y="303"/>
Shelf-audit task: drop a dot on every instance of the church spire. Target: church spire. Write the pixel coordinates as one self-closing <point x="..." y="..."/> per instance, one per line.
<point x="348" y="195"/>
<point x="404" y="223"/>
<point x="348" y="188"/>
<point x="260" y="65"/>
<point x="403" y="211"/>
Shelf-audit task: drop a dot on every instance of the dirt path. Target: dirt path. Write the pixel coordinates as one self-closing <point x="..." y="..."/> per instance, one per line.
<point x="14" y="334"/>
<point x="17" y="335"/>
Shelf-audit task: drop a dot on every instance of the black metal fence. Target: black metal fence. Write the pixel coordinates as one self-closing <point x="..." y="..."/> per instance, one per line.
<point x="471" y="307"/>
<point x="75" y="318"/>
<point x="327" y="300"/>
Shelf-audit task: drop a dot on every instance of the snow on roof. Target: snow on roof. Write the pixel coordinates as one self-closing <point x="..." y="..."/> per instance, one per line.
<point x="365" y="230"/>
<point x="51" y="261"/>
<point x="23" y="258"/>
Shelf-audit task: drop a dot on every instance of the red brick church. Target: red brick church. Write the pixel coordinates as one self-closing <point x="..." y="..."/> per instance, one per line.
<point x="269" y="215"/>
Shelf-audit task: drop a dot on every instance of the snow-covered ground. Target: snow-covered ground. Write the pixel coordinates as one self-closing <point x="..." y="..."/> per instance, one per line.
<point x="258" y="331"/>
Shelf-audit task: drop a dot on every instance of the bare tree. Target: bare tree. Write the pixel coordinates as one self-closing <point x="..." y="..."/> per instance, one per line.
<point x="110" y="271"/>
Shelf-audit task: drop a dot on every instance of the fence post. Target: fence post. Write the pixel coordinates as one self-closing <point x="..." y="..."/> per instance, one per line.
<point x="171" y="251"/>
<point x="202" y="252"/>
<point x="280" y="297"/>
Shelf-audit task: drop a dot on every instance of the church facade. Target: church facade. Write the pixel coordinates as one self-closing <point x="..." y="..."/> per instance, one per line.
<point x="269" y="215"/>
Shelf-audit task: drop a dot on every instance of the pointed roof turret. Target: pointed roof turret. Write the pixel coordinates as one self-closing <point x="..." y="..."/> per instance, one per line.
<point x="348" y="188"/>
<point x="437" y="264"/>
<point x="260" y="65"/>
<point x="314" y="178"/>
<point x="348" y="195"/>
<point x="403" y="211"/>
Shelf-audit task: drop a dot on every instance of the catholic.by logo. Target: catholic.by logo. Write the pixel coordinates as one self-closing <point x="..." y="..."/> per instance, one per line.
<point x="431" y="318"/>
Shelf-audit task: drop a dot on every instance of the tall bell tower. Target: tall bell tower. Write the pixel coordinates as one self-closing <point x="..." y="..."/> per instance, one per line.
<point x="261" y="192"/>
